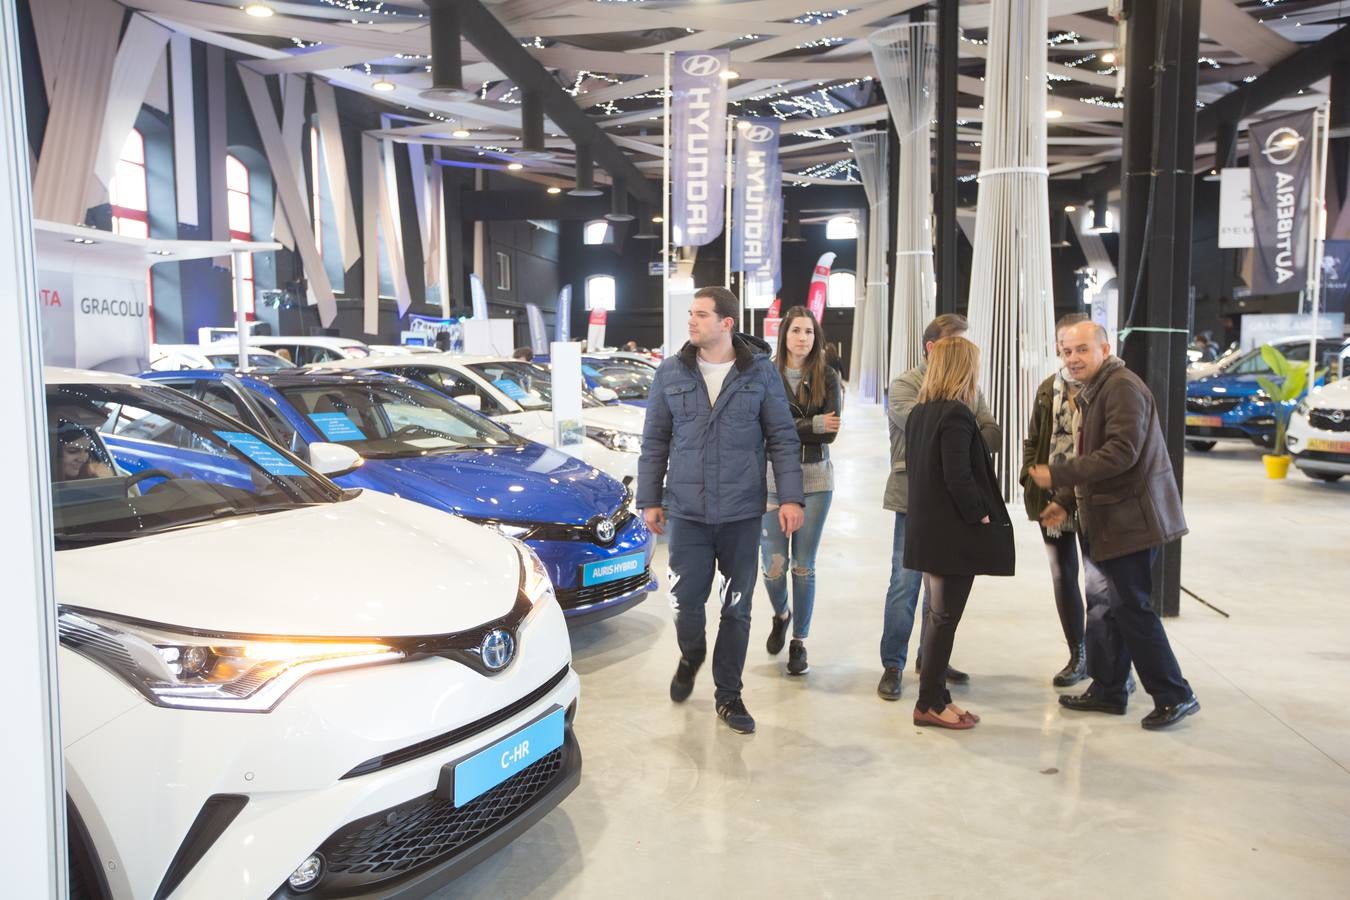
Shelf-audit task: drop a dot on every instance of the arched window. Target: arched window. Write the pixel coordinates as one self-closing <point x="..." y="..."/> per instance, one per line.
<point x="241" y="221"/>
<point x="600" y="292"/>
<point x="842" y="290"/>
<point x="841" y="228"/>
<point x="597" y="232"/>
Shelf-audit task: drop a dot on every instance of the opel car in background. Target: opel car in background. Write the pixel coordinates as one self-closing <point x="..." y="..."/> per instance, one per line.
<point x="418" y="444"/>
<point x="274" y="687"/>
<point x="1232" y="406"/>
<point x="305" y="351"/>
<point x="520" y="395"/>
<point x="1319" y="432"/>
<point x="221" y="355"/>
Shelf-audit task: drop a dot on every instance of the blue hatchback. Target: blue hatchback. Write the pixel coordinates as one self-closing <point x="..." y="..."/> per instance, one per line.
<point x="1230" y="405"/>
<point x="417" y="444"/>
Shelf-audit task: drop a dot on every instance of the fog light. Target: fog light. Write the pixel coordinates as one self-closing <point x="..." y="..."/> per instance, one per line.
<point x="307" y="874"/>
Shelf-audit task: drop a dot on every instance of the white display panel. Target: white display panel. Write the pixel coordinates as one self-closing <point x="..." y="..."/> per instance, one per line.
<point x="565" y="365"/>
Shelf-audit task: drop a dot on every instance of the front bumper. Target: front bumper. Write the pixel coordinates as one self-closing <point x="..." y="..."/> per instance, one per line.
<point x="1241" y="424"/>
<point x="565" y="561"/>
<point x="1318" y="449"/>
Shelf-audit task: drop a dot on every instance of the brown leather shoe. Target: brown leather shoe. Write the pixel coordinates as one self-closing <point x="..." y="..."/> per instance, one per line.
<point x="925" y="717"/>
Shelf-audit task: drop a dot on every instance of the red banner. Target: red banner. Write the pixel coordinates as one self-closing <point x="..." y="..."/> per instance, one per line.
<point x="820" y="286"/>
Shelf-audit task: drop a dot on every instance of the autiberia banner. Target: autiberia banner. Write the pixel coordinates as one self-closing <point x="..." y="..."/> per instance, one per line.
<point x="1281" y="164"/>
<point x="757" y="195"/>
<point x="698" y="147"/>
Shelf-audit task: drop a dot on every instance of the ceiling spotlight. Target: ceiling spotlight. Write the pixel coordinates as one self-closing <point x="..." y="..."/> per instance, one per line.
<point x="554" y="189"/>
<point x="1054" y="113"/>
<point x="258" y="10"/>
<point x="461" y="133"/>
<point x="1071" y="208"/>
<point x="1108" y="57"/>
<point x="730" y="74"/>
<point x="514" y="167"/>
<point x="657" y="220"/>
<point x="383" y="85"/>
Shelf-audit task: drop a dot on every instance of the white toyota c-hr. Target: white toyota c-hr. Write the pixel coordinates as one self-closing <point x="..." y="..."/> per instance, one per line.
<point x="272" y="687"/>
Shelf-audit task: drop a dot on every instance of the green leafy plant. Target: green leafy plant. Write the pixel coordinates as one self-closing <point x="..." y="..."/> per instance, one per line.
<point x="1287" y="385"/>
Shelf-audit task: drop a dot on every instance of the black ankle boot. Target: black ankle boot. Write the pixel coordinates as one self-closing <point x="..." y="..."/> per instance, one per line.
<point x="1076" y="669"/>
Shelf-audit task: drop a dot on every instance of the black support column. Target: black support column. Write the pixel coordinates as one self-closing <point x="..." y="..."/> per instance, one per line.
<point x="1158" y="172"/>
<point x="946" y="236"/>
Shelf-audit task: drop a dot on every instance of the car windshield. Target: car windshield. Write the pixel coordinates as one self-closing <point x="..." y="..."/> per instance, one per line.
<point x="130" y="460"/>
<point x="356" y="351"/>
<point x="628" y="378"/>
<point x="392" y="418"/>
<point x="1252" y="363"/>
<point x="262" y="361"/>
<point x="529" y="384"/>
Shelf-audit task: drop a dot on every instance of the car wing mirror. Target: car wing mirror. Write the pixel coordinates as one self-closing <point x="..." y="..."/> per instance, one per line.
<point x="605" y="395"/>
<point x="333" y="459"/>
<point x="472" y="401"/>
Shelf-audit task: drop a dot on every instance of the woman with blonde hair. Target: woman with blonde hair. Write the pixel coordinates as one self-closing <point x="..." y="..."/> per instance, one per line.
<point x="958" y="524"/>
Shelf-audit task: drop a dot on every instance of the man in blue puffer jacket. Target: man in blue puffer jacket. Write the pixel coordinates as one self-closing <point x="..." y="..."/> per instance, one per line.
<point x="714" y="411"/>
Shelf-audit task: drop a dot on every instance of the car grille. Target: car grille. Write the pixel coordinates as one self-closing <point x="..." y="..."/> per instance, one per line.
<point x="1324" y="420"/>
<point x="1212" y="405"/>
<point x="425" y="830"/>
<point x="598" y="593"/>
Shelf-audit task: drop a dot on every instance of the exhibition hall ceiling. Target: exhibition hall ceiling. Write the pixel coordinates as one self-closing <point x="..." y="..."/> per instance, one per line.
<point x="808" y="66"/>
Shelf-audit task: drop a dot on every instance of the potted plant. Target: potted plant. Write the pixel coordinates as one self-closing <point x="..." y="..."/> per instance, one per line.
<point x="1286" y="386"/>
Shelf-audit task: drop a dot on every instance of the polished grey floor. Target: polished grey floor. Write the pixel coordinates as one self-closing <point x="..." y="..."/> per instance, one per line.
<point x="839" y="795"/>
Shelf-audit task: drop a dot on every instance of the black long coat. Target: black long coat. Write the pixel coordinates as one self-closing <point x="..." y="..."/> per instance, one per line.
<point x="952" y="486"/>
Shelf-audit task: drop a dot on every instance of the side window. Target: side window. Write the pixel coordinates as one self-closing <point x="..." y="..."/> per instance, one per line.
<point x="282" y="431"/>
<point x="452" y="385"/>
<point x="317" y="355"/>
<point x="146" y="426"/>
<point x="222" y="399"/>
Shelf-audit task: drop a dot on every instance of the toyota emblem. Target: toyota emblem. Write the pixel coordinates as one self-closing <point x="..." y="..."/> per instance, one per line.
<point x="1337" y="416"/>
<point x="701" y="65"/>
<point x="758" y="134"/>
<point x="604" y="531"/>
<point x="497" y="649"/>
<point x="1282" y="146"/>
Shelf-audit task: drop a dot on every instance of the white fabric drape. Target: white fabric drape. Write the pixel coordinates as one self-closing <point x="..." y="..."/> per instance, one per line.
<point x="370" y="238"/>
<point x="184" y="127"/>
<point x="81" y="85"/>
<point x="52" y="25"/>
<point x="869" y="320"/>
<point x="335" y="160"/>
<point x="292" y="136"/>
<point x="906" y="60"/>
<point x="391" y="226"/>
<point x="437" y="268"/>
<point x="290" y="193"/>
<point x="1011" y="300"/>
<point x="217" y="146"/>
<point x="137" y="60"/>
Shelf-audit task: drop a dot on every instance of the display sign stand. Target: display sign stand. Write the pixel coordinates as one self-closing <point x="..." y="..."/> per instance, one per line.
<point x="1317" y="229"/>
<point x="569" y="429"/>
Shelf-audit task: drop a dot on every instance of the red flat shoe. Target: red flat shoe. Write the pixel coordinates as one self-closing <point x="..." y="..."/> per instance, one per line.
<point x="964" y="713"/>
<point x="927" y="718"/>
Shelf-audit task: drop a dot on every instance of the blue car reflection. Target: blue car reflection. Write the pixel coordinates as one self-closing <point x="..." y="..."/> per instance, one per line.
<point x="420" y="445"/>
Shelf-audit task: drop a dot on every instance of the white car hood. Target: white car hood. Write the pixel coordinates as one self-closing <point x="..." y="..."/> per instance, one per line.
<point x="621" y="417"/>
<point x="1331" y="396"/>
<point x="372" y="566"/>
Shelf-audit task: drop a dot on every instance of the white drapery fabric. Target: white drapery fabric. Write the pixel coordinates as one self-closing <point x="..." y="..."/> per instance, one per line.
<point x="906" y="60"/>
<point x="868" y="359"/>
<point x="80" y="86"/>
<point x="1011" y="299"/>
<point x="292" y="138"/>
<point x="184" y="128"/>
<point x="335" y="161"/>
<point x="391" y="226"/>
<point x="137" y="60"/>
<point x="370" y="239"/>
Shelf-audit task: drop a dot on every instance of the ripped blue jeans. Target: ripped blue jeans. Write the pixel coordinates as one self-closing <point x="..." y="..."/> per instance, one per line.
<point x="779" y="552"/>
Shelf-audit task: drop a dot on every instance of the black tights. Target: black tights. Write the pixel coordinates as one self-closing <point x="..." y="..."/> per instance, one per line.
<point x="1062" y="552"/>
<point x="947" y="600"/>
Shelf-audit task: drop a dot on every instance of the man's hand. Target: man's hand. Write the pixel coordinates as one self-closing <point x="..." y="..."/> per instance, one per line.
<point x="1041" y="475"/>
<point x="831" y="422"/>
<point x="655" y="517"/>
<point x="1054" y="516"/>
<point x="790" y="517"/>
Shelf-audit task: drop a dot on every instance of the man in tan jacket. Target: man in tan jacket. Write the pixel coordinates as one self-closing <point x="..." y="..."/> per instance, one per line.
<point x="1128" y="507"/>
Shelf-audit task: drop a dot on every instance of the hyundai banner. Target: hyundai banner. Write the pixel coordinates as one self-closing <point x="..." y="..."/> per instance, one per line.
<point x="1281" y="165"/>
<point x="757" y="195"/>
<point x="698" y="148"/>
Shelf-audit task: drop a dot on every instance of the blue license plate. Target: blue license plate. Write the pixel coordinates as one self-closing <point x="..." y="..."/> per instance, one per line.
<point x="613" y="569"/>
<point x="488" y="768"/>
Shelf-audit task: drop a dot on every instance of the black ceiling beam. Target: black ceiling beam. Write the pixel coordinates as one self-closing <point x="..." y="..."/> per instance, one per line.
<point x="1286" y="77"/>
<point x="482" y="29"/>
<point x="529" y="203"/>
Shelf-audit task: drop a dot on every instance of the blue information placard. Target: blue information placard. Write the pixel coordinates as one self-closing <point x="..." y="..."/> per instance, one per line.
<point x="613" y="569"/>
<point x="337" y="427"/>
<point x="510" y="388"/>
<point x="253" y="447"/>
<point x="488" y="768"/>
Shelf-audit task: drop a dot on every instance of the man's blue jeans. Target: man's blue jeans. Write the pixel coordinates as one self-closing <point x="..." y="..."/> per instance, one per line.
<point x="902" y="596"/>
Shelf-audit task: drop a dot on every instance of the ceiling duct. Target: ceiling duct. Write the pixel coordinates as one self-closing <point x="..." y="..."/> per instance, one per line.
<point x="532" y="126"/>
<point x="585" y="174"/>
<point x="1099" y="224"/>
<point x="447" y="69"/>
<point x="618" y="203"/>
<point x="793" y="232"/>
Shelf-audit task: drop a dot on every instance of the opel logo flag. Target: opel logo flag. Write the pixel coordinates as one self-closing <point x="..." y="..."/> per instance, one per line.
<point x="757" y="199"/>
<point x="698" y="151"/>
<point x="1281" y="164"/>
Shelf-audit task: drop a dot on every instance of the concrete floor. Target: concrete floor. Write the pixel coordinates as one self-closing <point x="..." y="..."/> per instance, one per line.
<point x="839" y="795"/>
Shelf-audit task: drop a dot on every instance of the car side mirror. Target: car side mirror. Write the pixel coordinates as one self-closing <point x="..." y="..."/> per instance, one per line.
<point x="605" y="395"/>
<point x="333" y="459"/>
<point x="472" y="401"/>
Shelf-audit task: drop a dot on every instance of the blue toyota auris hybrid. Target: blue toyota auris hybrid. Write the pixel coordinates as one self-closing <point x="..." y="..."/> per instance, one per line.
<point x="416" y="443"/>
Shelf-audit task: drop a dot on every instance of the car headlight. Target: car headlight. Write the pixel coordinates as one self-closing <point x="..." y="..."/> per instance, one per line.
<point x="622" y="441"/>
<point x="1260" y="396"/>
<point x="518" y="532"/>
<point x="535" y="585"/>
<point x="184" y="669"/>
<point x="1303" y="408"/>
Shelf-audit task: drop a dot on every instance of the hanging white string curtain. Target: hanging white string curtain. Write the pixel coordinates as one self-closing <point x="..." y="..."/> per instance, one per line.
<point x="868" y="359"/>
<point x="906" y="60"/>
<point x="1011" y="300"/>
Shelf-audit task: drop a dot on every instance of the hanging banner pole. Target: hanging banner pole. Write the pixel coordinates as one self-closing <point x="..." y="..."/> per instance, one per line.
<point x="240" y="317"/>
<point x="1317" y="226"/>
<point x="665" y="205"/>
<point x="726" y="217"/>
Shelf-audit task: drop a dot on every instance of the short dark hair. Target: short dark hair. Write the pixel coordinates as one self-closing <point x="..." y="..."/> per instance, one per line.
<point x="727" y="305"/>
<point x="1070" y="320"/>
<point x="945" y="325"/>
